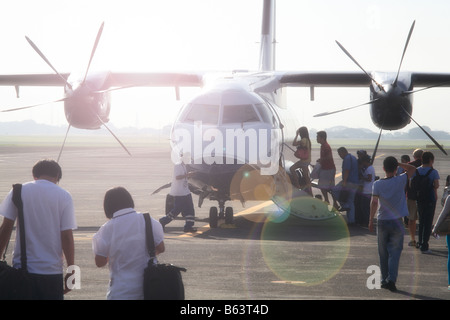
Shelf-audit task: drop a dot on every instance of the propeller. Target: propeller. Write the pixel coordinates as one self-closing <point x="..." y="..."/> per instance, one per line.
<point x="97" y="40"/>
<point x="394" y="84"/>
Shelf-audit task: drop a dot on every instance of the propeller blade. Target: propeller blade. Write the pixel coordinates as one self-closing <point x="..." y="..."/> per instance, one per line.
<point x="99" y="34"/>
<point x="47" y="61"/>
<point x="405" y="93"/>
<point x="376" y="148"/>
<point x="32" y="106"/>
<point x="356" y="62"/>
<point x="162" y="187"/>
<point x="341" y="110"/>
<point x="404" y="51"/>
<point x="424" y="131"/>
<point x="120" y="142"/>
<point x="64" y="142"/>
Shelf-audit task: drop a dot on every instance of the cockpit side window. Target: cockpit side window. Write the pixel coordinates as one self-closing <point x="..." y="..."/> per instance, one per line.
<point x="207" y="114"/>
<point x="265" y="113"/>
<point x="239" y="114"/>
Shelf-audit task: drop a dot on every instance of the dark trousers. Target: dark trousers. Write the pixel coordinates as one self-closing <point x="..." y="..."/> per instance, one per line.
<point x="426" y="216"/>
<point x="363" y="214"/>
<point x="183" y="205"/>
<point x="47" y="287"/>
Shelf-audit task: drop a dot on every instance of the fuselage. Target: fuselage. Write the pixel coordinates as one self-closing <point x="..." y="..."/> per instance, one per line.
<point x="226" y="128"/>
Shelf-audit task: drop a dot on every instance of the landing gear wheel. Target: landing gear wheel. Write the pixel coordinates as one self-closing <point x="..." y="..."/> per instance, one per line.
<point x="213" y="217"/>
<point x="170" y="203"/>
<point x="229" y="215"/>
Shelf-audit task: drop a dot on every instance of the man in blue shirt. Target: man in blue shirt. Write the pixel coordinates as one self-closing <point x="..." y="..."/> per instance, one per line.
<point x="388" y="199"/>
<point x="427" y="206"/>
<point x="349" y="182"/>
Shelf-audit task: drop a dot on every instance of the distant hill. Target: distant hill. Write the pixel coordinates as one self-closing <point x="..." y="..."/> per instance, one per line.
<point x="30" y="127"/>
<point x="341" y="132"/>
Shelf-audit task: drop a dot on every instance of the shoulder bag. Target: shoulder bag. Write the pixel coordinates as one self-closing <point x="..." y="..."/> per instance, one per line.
<point x="15" y="283"/>
<point x="161" y="281"/>
<point x="444" y="227"/>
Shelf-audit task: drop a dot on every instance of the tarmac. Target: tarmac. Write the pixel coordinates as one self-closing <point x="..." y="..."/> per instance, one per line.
<point x="255" y="258"/>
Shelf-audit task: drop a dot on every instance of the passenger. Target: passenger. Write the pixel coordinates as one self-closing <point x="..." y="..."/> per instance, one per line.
<point x="405" y="159"/>
<point x="412" y="201"/>
<point x="304" y="145"/>
<point x="346" y="189"/>
<point x="121" y="243"/>
<point x="182" y="198"/>
<point x="442" y="217"/>
<point x="327" y="171"/>
<point x="388" y="198"/>
<point x="368" y="178"/>
<point x="49" y="221"/>
<point x="359" y="215"/>
<point x="417" y="155"/>
<point x="427" y="205"/>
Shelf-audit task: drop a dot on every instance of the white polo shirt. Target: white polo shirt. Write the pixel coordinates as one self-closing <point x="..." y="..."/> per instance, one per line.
<point x="122" y="241"/>
<point x="48" y="210"/>
<point x="179" y="187"/>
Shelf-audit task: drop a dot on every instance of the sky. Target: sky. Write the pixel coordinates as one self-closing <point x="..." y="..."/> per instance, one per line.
<point x="223" y="35"/>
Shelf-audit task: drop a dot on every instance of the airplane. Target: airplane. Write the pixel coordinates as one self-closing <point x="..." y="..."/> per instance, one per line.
<point x="236" y="131"/>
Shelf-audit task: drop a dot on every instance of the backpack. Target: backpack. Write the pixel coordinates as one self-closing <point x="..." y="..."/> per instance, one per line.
<point x="421" y="188"/>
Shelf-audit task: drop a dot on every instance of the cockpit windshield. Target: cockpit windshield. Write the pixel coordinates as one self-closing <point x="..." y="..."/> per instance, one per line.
<point x="207" y="114"/>
<point x="239" y="114"/>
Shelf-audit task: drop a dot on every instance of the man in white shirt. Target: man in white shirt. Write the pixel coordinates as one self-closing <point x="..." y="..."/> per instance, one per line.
<point x="182" y="198"/>
<point x="49" y="220"/>
<point x="368" y="178"/>
<point x="121" y="243"/>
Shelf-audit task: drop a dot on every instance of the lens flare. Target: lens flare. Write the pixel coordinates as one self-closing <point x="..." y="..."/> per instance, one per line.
<point x="313" y="253"/>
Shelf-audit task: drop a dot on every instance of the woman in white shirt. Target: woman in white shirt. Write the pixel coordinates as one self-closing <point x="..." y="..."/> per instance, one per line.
<point x="121" y="244"/>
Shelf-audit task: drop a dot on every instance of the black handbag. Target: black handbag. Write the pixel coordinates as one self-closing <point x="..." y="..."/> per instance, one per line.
<point x="161" y="281"/>
<point x="15" y="284"/>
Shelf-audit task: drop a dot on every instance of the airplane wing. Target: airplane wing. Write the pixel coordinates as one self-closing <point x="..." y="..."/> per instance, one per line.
<point x="33" y="80"/>
<point x="162" y="79"/>
<point x="430" y="79"/>
<point x="151" y="79"/>
<point x="354" y="79"/>
<point x="325" y="79"/>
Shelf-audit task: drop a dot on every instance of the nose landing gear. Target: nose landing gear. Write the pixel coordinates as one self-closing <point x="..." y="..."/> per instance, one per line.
<point x="216" y="214"/>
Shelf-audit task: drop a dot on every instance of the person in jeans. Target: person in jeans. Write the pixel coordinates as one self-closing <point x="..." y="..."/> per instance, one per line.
<point x="388" y="199"/>
<point x="349" y="183"/>
<point x="440" y="221"/>
<point x="427" y="205"/>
